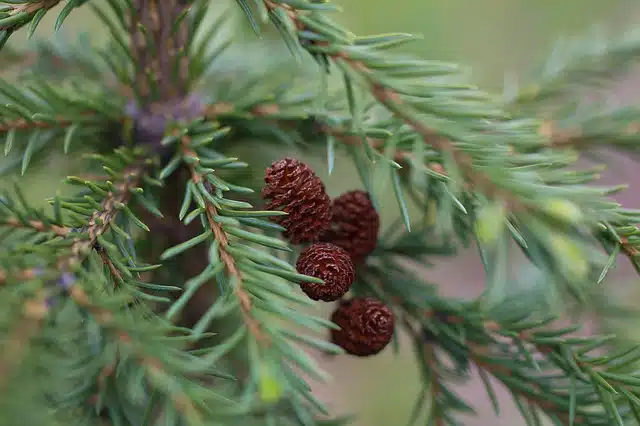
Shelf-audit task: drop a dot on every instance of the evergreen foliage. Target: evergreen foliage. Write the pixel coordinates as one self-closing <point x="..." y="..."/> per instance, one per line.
<point x="159" y="293"/>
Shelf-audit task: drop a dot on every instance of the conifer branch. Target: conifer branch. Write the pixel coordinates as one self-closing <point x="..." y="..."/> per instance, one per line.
<point x="17" y="14"/>
<point x="20" y="13"/>
<point x="71" y="258"/>
<point x="154" y="367"/>
<point x="23" y="124"/>
<point x="392" y="100"/>
<point x="100" y="221"/>
<point x="97" y="224"/>
<point x="575" y="67"/>
<point x="481" y="168"/>
<point x="223" y="240"/>
<point x="495" y="349"/>
<point x="39" y="226"/>
<point x="619" y="129"/>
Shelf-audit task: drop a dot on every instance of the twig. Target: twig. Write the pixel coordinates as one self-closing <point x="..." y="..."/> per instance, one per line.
<point x="227" y="259"/>
<point x="117" y="276"/>
<point x="61" y="231"/>
<point x="22" y="124"/>
<point x="269" y="111"/>
<point x="575" y="137"/>
<point x="28" y="8"/>
<point x="23" y="275"/>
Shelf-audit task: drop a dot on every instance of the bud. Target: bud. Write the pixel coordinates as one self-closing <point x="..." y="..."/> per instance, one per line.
<point x="490" y="222"/>
<point x="269" y="387"/>
<point x="564" y="210"/>
<point x="574" y="261"/>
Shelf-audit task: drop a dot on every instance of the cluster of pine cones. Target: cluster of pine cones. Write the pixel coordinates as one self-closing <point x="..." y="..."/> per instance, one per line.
<point x="341" y="234"/>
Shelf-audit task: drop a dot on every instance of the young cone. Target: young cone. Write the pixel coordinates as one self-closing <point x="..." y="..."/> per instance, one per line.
<point x="354" y="224"/>
<point x="291" y="186"/>
<point x="366" y="326"/>
<point x="331" y="264"/>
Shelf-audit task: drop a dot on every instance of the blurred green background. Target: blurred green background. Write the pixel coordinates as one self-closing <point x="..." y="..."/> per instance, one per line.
<point x="494" y="37"/>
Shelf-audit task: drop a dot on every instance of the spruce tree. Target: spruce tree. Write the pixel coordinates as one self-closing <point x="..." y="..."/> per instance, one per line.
<point x="170" y="281"/>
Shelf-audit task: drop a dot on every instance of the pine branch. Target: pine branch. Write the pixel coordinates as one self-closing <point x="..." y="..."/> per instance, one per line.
<point x="98" y="224"/>
<point x="20" y="13"/>
<point x="537" y="363"/>
<point x="70" y="259"/>
<point x="38" y="226"/>
<point x="618" y="129"/>
<point x="250" y="277"/>
<point x="576" y="67"/>
<point x="154" y="367"/>
<point x="24" y="124"/>
<point x="223" y="242"/>
<point x="65" y="268"/>
<point x="32" y="118"/>
<point x="338" y="51"/>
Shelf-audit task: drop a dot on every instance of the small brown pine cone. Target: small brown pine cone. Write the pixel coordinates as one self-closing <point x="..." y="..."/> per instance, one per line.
<point x="355" y="224"/>
<point x="291" y="186"/>
<point x="331" y="264"/>
<point x="366" y="326"/>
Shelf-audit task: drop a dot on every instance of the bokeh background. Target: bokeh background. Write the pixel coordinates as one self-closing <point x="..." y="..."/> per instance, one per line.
<point x="495" y="38"/>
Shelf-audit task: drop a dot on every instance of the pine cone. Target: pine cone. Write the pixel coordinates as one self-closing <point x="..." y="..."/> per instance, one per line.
<point x="366" y="326"/>
<point x="331" y="264"/>
<point x="292" y="186"/>
<point x="355" y="225"/>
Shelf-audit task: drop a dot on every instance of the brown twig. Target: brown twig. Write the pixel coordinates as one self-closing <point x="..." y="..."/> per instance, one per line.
<point x="529" y="395"/>
<point x="22" y="124"/>
<point x="220" y="110"/>
<point x="117" y="276"/>
<point x="227" y="259"/>
<point x="22" y="275"/>
<point x="575" y="137"/>
<point x="61" y="231"/>
<point x="28" y="8"/>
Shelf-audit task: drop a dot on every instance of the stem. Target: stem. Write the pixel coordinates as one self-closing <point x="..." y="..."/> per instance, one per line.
<point x="155" y="47"/>
<point x="220" y="235"/>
